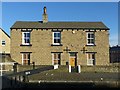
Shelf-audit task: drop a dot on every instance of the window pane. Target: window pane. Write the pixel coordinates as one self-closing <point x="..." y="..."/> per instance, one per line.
<point x="55" y="62"/>
<point x="27" y="41"/>
<point x="26" y="58"/>
<point x="25" y="62"/>
<point x="56" y="37"/>
<point x="26" y="37"/>
<point x="29" y="56"/>
<point x="93" y="56"/>
<point x="56" y="40"/>
<point x="59" y="35"/>
<point x="92" y="41"/>
<point x="88" y="56"/>
<point x="3" y="42"/>
<point x="88" y="35"/>
<point x="92" y="35"/>
<point x="55" y="34"/>
<point x="88" y="41"/>
<point x="56" y="58"/>
<point x="72" y="54"/>
<point x="90" y="38"/>
<point x="28" y="34"/>
<point x="91" y="59"/>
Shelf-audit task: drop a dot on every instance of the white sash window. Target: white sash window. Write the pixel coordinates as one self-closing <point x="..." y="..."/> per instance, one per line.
<point x="26" y="38"/>
<point x="91" y="59"/>
<point x="56" y="38"/>
<point x="56" y="58"/>
<point x="90" y="38"/>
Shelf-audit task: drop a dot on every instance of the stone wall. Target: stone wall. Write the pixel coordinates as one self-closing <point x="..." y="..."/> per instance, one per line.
<point x="64" y="68"/>
<point x="100" y="68"/>
<point x="42" y="48"/>
<point x="30" y="67"/>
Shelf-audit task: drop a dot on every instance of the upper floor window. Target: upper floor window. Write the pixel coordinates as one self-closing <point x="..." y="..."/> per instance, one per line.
<point x="26" y="38"/>
<point x="90" y="38"/>
<point x="3" y="42"/>
<point x="56" y="38"/>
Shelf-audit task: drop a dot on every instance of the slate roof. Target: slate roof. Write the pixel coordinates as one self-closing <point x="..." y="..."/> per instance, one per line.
<point x="115" y="48"/>
<point x="58" y="25"/>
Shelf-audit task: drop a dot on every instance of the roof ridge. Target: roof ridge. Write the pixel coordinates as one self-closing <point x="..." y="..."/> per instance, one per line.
<point x="67" y="21"/>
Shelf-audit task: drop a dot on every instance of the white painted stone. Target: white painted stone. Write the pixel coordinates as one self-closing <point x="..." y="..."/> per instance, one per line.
<point x="79" y="69"/>
<point x="55" y="66"/>
<point x="69" y="68"/>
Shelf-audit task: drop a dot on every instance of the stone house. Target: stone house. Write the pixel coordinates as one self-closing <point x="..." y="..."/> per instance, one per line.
<point x="4" y="42"/>
<point x="115" y="54"/>
<point x="59" y="43"/>
<point x="4" y="45"/>
<point x="6" y="63"/>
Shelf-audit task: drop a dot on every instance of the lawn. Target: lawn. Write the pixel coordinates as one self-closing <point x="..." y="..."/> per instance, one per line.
<point x="62" y="74"/>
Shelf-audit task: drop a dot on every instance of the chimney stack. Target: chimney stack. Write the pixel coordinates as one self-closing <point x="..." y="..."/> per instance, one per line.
<point x="45" y="16"/>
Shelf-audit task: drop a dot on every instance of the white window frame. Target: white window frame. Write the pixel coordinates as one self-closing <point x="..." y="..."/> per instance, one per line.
<point x="91" y="38"/>
<point x="56" y="59"/>
<point x="23" y="42"/>
<point x="2" y="42"/>
<point x="56" y="38"/>
<point x="91" y="61"/>
<point x="23" y="58"/>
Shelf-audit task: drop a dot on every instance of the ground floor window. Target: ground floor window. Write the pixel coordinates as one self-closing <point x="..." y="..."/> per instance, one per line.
<point x="56" y="58"/>
<point x="25" y="58"/>
<point x="91" y="59"/>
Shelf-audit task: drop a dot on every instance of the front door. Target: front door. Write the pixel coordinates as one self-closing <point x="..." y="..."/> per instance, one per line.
<point x="73" y="59"/>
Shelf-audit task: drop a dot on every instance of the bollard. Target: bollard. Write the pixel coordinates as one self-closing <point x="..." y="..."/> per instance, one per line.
<point x="79" y="69"/>
<point x="55" y="66"/>
<point x="15" y="67"/>
<point x="69" y="68"/>
<point x="33" y="65"/>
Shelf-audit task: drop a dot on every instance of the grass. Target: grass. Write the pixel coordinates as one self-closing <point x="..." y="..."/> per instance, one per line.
<point x="62" y="74"/>
<point x="56" y="74"/>
<point x="62" y="78"/>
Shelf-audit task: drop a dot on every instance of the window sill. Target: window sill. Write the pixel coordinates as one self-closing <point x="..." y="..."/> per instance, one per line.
<point x="90" y="45"/>
<point x="26" y="45"/>
<point x="56" y="45"/>
<point x="3" y="45"/>
<point x="90" y="65"/>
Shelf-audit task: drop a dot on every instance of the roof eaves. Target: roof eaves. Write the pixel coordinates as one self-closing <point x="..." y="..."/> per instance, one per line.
<point x="62" y="28"/>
